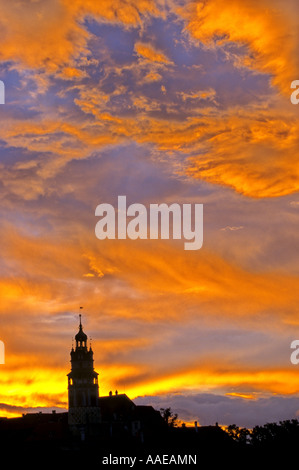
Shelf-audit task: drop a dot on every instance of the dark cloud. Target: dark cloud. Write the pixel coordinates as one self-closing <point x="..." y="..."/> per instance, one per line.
<point x="208" y="408"/>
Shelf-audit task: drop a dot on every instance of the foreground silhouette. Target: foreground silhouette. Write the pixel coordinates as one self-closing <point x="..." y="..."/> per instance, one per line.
<point x="49" y="434"/>
<point x="114" y="430"/>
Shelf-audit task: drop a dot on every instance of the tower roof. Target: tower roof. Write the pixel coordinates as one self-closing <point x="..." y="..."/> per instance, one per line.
<point x="80" y="336"/>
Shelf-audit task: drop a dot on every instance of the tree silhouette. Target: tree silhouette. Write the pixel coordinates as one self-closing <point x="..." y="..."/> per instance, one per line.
<point x="286" y="432"/>
<point x="241" y="435"/>
<point x="169" y="417"/>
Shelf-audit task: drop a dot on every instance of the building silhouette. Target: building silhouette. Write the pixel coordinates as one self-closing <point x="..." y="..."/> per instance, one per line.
<point x="114" y="416"/>
<point x="83" y="388"/>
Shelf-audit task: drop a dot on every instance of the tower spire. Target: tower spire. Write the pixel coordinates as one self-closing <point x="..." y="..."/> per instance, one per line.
<point x="80" y="324"/>
<point x="81" y="337"/>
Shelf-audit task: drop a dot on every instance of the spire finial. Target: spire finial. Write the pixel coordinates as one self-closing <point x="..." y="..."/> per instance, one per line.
<point x="80" y="324"/>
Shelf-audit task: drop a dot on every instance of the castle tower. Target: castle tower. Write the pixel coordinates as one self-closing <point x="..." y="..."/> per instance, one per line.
<point x="83" y="388"/>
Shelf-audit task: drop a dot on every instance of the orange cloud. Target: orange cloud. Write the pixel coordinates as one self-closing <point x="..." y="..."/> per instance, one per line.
<point x="49" y="34"/>
<point x="128" y="12"/>
<point x="200" y="281"/>
<point x="41" y="34"/>
<point x="253" y="151"/>
<point x="151" y="54"/>
<point x="255" y="155"/>
<point x="281" y="381"/>
<point x="268" y="28"/>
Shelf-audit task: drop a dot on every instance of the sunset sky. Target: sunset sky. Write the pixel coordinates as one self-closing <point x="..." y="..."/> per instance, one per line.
<point x="164" y="101"/>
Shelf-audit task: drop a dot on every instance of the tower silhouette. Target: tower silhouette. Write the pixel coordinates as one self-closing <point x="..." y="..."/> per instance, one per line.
<point x="83" y="388"/>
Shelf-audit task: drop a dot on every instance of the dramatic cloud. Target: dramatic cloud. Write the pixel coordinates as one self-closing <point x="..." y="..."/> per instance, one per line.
<point x="149" y="53"/>
<point x="52" y="33"/>
<point x="161" y="103"/>
<point x="260" y="25"/>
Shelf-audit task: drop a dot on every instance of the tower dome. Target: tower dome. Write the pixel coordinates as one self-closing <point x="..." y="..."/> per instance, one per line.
<point x="81" y="337"/>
